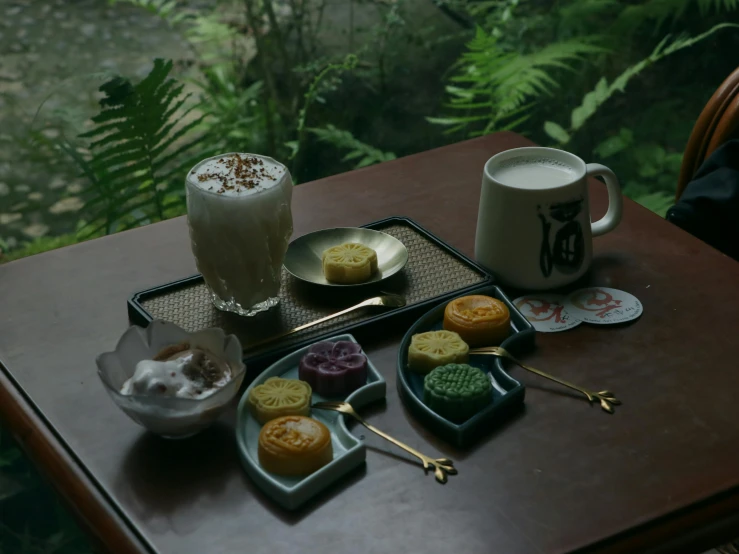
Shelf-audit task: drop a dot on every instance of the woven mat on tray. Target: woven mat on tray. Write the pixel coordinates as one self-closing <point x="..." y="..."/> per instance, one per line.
<point x="431" y="271"/>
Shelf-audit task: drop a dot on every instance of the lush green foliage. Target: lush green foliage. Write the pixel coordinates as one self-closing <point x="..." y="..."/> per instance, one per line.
<point x="271" y="79"/>
<point x="495" y="88"/>
<point x="275" y="79"/>
<point x="519" y="63"/>
<point x="549" y="76"/>
<point x="141" y="147"/>
<point x="603" y="91"/>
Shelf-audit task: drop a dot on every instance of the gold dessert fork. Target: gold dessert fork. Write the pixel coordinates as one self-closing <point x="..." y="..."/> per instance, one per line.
<point x="607" y="399"/>
<point x="442" y="466"/>
<point x="384" y="301"/>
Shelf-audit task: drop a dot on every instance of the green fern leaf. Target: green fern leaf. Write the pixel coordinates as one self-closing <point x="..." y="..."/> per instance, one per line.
<point x="105" y="156"/>
<point x="115" y="90"/>
<point x="443" y="120"/>
<point x="344" y="140"/>
<point x="556" y="131"/>
<point x="139" y="148"/>
<point x="364" y="162"/>
<point x="353" y="155"/>
<point x="169" y="126"/>
<point x="603" y="91"/>
<point x="491" y="83"/>
<point x="177" y="152"/>
<point x="116" y="159"/>
<point x="116" y="115"/>
<point x="118" y="137"/>
<point x="167" y="141"/>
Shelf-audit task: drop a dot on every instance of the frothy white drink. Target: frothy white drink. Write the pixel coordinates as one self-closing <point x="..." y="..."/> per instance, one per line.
<point x="238" y="209"/>
<point x="533" y="173"/>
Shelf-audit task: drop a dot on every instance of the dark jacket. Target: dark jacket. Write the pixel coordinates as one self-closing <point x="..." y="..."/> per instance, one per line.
<point x="709" y="206"/>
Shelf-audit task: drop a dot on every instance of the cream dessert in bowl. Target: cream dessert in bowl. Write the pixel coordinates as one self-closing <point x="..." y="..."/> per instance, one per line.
<point x="171" y="381"/>
<point x="179" y="371"/>
<point x="240" y="220"/>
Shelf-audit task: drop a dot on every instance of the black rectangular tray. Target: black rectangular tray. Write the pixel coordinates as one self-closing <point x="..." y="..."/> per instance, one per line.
<point x="435" y="272"/>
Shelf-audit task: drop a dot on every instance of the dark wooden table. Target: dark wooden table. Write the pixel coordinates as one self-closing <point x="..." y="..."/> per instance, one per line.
<point x="662" y="474"/>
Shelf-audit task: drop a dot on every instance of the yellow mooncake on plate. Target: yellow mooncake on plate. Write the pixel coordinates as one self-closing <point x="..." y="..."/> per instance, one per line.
<point x="294" y="446"/>
<point x="349" y="263"/>
<point x="436" y="348"/>
<point x="278" y="397"/>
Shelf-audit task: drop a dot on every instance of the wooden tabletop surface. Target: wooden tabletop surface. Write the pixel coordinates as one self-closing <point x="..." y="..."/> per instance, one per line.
<point x="659" y="475"/>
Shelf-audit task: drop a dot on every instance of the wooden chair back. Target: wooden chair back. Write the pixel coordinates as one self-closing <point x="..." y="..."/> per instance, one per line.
<point x="717" y="123"/>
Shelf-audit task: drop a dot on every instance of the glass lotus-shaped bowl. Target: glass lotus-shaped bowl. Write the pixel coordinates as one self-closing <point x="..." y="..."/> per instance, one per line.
<point x="169" y="416"/>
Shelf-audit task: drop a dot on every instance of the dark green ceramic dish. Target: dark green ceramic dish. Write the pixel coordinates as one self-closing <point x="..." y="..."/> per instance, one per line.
<point x="507" y="393"/>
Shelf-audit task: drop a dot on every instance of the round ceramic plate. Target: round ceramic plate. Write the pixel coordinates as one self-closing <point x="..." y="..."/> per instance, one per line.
<point x="303" y="258"/>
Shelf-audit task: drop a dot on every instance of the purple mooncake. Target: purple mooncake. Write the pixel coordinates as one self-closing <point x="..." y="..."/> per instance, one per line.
<point x="334" y="368"/>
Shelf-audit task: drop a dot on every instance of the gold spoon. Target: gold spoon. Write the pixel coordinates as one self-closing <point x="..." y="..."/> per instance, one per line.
<point x="607" y="399"/>
<point x="385" y="301"/>
<point x="442" y="466"/>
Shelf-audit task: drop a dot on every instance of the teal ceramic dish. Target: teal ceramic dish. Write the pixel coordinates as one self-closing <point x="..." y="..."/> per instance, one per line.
<point x="349" y="451"/>
<point x="507" y="392"/>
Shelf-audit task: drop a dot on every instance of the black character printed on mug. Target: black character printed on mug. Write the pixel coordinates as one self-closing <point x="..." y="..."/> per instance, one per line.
<point x="567" y="251"/>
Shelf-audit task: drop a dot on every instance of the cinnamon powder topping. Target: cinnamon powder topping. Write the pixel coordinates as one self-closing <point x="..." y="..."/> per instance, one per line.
<point x="238" y="173"/>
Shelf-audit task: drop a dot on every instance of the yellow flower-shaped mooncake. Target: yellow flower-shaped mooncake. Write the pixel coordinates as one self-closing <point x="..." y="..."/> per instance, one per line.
<point x="349" y="263"/>
<point x="434" y="348"/>
<point x="278" y="397"/>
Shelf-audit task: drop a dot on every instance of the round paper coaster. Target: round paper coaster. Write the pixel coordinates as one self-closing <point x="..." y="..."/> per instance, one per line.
<point x="603" y="306"/>
<point x="546" y="312"/>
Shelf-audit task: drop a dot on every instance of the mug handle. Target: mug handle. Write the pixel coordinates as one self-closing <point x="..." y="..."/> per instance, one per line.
<point x="615" y="202"/>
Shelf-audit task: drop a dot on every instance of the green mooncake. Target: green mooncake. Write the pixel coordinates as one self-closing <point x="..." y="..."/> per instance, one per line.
<point x="457" y="391"/>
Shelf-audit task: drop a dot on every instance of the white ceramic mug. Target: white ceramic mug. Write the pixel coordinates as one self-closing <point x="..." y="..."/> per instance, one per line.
<point x="533" y="225"/>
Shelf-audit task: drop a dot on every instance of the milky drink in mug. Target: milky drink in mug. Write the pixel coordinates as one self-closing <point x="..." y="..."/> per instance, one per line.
<point x="533" y="225"/>
<point x="240" y="220"/>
